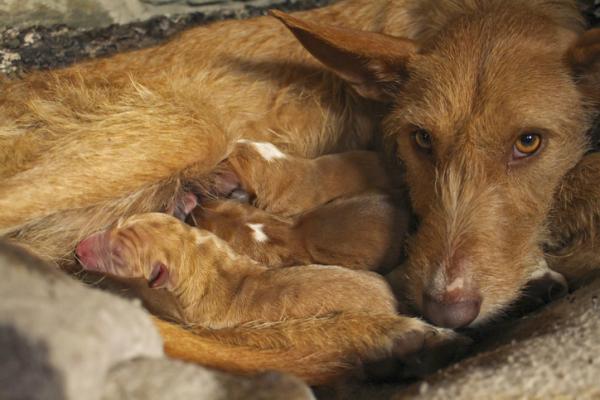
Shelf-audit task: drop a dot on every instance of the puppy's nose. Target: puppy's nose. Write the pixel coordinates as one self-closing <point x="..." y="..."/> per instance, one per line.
<point x="85" y="252"/>
<point x="452" y="313"/>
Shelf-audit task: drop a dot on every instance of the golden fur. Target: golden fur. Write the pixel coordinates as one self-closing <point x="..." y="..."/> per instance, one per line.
<point x="247" y="303"/>
<point x="83" y="146"/>
<point x="289" y="185"/>
<point x="331" y="210"/>
<point x="365" y="231"/>
<point x="219" y="288"/>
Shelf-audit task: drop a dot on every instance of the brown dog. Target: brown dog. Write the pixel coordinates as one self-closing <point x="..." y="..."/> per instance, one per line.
<point x="486" y="104"/>
<point x="217" y="288"/>
<point x="483" y="146"/>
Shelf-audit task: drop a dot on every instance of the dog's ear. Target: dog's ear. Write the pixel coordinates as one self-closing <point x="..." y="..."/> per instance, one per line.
<point x="373" y="63"/>
<point x="584" y="59"/>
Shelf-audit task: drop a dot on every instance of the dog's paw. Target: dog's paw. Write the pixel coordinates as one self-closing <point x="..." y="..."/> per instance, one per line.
<point x="420" y="351"/>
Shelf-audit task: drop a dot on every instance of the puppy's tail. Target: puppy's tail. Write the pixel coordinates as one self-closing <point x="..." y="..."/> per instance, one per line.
<point x="317" y="350"/>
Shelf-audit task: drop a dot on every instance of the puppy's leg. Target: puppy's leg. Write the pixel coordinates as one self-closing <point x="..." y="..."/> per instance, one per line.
<point x="219" y="288"/>
<point x="574" y="224"/>
<point x="287" y="185"/>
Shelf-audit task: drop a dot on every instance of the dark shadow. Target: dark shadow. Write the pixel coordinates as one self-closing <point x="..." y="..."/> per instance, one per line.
<point x="26" y="372"/>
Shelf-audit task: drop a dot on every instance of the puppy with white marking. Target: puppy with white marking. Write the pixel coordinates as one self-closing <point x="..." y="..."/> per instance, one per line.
<point x="365" y="231"/>
<point x="218" y="288"/>
<point x="288" y="185"/>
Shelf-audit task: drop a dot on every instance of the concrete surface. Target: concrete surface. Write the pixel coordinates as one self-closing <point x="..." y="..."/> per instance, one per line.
<point x="62" y="335"/>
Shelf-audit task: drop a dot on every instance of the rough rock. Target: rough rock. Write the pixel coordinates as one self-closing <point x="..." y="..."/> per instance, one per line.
<point x="554" y="353"/>
<point x="100" y="13"/>
<point x="58" y="338"/>
<point x="151" y="379"/>
<point x="32" y="47"/>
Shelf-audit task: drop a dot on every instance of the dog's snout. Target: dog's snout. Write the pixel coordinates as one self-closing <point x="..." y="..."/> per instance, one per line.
<point x="455" y="312"/>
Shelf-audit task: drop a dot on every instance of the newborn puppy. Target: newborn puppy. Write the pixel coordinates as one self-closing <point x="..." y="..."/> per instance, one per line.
<point x="286" y="185"/>
<point x="366" y="231"/>
<point x="216" y="287"/>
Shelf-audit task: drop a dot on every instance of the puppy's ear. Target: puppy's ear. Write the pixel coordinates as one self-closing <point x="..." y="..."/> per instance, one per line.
<point x="373" y="63"/>
<point x="584" y="59"/>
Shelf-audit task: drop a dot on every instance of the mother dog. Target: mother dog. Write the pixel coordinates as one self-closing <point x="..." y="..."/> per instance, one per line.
<point x="485" y="103"/>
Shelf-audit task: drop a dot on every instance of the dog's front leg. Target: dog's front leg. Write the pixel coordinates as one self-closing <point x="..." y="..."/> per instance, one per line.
<point x="574" y="222"/>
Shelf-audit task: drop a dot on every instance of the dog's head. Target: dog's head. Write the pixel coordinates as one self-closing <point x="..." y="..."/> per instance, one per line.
<point x="487" y="116"/>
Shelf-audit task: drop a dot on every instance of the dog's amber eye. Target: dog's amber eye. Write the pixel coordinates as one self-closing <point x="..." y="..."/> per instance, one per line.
<point x="527" y="145"/>
<point x="423" y="139"/>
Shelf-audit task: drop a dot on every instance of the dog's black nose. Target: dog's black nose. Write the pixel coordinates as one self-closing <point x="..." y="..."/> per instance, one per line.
<point x="451" y="314"/>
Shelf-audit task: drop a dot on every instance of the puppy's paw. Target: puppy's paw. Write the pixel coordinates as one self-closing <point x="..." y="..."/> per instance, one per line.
<point x="182" y="205"/>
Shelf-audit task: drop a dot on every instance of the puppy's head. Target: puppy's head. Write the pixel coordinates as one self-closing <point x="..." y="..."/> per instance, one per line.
<point x="486" y="116"/>
<point x="152" y="246"/>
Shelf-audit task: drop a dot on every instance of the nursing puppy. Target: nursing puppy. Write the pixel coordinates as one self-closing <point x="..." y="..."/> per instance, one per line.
<point x="219" y="289"/>
<point x="288" y="185"/>
<point x="463" y="87"/>
<point x="361" y="232"/>
<point x="329" y="210"/>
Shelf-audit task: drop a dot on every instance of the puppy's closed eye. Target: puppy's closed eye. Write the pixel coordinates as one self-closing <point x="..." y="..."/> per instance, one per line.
<point x="159" y="276"/>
